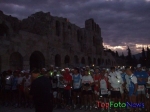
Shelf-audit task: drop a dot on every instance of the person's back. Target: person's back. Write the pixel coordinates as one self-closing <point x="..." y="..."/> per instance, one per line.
<point x="42" y="94"/>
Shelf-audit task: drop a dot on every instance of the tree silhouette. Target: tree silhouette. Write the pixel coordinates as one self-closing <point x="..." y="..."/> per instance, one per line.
<point x="129" y="57"/>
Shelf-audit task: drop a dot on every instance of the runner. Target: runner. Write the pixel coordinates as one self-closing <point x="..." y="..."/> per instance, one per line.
<point x="142" y="78"/>
<point x="67" y="88"/>
<point x="87" y="82"/>
<point x="77" y="78"/>
<point x="103" y="88"/>
<point x="132" y="87"/>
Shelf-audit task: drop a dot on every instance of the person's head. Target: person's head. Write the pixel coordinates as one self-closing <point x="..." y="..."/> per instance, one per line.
<point x="128" y="71"/>
<point x="86" y="72"/>
<point x="139" y="68"/>
<point x="103" y="72"/>
<point x="35" y="73"/>
<point x="76" y="71"/>
<point x="112" y="69"/>
<point x="96" y="71"/>
<point x="51" y="68"/>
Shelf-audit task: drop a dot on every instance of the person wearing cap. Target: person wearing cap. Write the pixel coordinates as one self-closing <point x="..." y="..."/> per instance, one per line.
<point x="142" y="77"/>
<point x="67" y="87"/>
<point x="77" y="78"/>
<point x="116" y="82"/>
<point x="132" y="86"/>
<point x="54" y="82"/>
<point x="103" y="87"/>
<point x="7" y="87"/>
<point x="87" y="82"/>
<point x="41" y="92"/>
<point x="14" y="88"/>
<point x="20" y="87"/>
<point x="61" y="90"/>
<point x="27" y="83"/>
<point x="96" y="78"/>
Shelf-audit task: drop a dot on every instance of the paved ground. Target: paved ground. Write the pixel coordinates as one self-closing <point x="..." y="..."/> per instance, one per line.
<point x="12" y="109"/>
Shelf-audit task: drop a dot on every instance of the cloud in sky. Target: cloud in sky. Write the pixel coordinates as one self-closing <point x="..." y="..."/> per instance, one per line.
<point x="123" y="22"/>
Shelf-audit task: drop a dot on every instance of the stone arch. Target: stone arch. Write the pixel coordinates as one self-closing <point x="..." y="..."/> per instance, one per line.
<point x="57" y="60"/>
<point x="83" y="60"/>
<point x="16" y="61"/>
<point x="103" y="61"/>
<point x="89" y="61"/>
<point x="98" y="61"/>
<point x="58" y="28"/>
<point x="106" y="62"/>
<point x="109" y="62"/>
<point x="78" y="35"/>
<point x="3" y="29"/>
<point x="76" y="59"/>
<point x="94" y="61"/>
<point x="37" y="60"/>
<point x="0" y="64"/>
<point x="67" y="60"/>
<point x="93" y="40"/>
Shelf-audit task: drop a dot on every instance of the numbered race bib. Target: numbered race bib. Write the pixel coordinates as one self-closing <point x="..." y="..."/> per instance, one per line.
<point x="104" y="91"/>
<point x="76" y="85"/>
<point x="141" y="87"/>
<point x="116" y="89"/>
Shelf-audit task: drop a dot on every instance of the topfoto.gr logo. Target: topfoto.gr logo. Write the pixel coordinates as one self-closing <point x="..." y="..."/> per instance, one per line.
<point x="119" y="105"/>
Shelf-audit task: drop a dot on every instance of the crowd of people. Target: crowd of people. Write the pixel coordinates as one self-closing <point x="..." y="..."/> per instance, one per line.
<point x="80" y="87"/>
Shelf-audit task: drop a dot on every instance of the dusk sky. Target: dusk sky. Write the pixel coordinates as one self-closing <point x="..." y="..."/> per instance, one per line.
<point x="123" y="22"/>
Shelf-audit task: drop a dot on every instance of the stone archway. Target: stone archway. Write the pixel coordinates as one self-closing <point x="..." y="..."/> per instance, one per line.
<point x="89" y="61"/>
<point x="16" y="61"/>
<point x="37" y="60"/>
<point x="57" y="60"/>
<point x="94" y="61"/>
<point x="83" y="60"/>
<point x="76" y="60"/>
<point x="67" y="60"/>
<point x="98" y="61"/>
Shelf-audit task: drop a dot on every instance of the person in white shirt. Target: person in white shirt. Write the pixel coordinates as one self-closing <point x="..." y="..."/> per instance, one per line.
<point x="87" y="82"/>
<point x="27" y="83"/>
<point x="115" y="85"/>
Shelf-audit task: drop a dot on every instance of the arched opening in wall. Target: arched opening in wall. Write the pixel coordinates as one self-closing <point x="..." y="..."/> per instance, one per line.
<point x="37" y="60"/>
<point x="57" y="60"/>
<point x="103" y="62"/>
<point x="109" y="62"/>
<point x="67" y="60"/>
<point x="70" y="31"/>
<point x="16" y="61"/>
<point x="57" y="28"/>
<point x="83" y="60"/>
<point x="89" y="61"/>
<point x="94" y="61"/>
<point x="106" y="63"/>
<point x="78" y="35"/>
<point x="0" y="64"/>
<point x="98" y="61"/>
<point x="76" y="60"/>
<point x="3" y="29"/>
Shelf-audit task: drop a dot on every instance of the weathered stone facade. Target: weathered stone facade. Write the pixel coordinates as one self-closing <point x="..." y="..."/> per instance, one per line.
<point x="41" y="40"/>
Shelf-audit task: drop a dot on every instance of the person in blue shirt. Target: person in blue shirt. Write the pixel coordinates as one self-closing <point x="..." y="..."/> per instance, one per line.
<point x="77" y="78"/>
<point x="142" y="78"/>
<point x="132" y="86"/>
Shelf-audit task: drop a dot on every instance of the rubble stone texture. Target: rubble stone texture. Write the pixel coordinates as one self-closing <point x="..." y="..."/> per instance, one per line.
<point x="42" y="40"/>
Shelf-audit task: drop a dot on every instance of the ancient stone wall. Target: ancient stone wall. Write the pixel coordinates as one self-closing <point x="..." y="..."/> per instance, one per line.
<point x="41" y="40"/>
